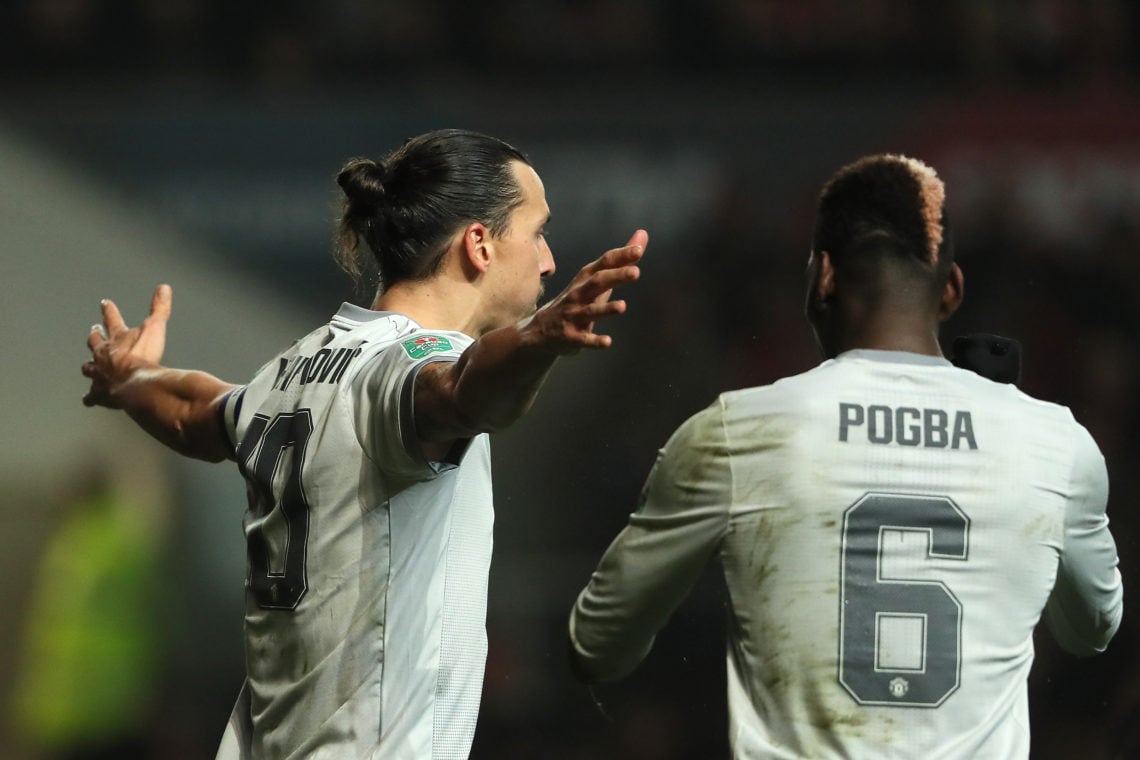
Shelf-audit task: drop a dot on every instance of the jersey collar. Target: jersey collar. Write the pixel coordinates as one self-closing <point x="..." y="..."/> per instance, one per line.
<point x="894" y="357"/>
<point x="360" y="314"/>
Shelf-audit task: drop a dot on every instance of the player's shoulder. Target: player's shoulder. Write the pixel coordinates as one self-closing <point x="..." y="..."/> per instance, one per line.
<point x="1047" y="424"/>
<point x="1029" y="406"/>
<point x="780" y="395"/>
<point x="394" y="335"/>
<point x="364" y="326"/>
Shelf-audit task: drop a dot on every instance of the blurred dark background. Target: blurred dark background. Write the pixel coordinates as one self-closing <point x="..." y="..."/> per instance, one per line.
<point x="196" y="141"/>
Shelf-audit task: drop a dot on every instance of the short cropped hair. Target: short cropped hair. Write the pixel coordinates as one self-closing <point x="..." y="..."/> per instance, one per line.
<point x="885" y="207"/>
<point x="400" y="212"/>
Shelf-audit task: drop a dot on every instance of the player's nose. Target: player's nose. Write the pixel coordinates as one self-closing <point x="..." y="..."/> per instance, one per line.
<point x="546" y="261"/>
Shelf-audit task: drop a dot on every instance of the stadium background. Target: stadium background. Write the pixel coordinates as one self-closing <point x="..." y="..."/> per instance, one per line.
<point x="195" y="142"/>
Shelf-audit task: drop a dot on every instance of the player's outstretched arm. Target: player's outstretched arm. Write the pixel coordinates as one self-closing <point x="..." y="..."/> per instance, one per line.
<point x="178" y="407"/>
<point x="497" y="378"/>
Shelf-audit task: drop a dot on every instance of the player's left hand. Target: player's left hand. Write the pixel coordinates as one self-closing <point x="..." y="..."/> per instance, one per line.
<point x="566" y="323"/>
<point x="117" y="350"/>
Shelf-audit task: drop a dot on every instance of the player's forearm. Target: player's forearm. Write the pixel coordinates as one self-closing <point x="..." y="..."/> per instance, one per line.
<point x="1086" y="603"/>
<point x="178" y="408"/>
<point x="1082" y="628"/>
<point x="1085" y="608"/>
<point x="638" y="584"/>
<point x="495" y="382"/>
<point x="602" y="646"/>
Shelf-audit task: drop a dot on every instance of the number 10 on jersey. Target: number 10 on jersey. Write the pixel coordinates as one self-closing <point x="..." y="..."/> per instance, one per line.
<point x="900" y="638"/>
<point x="271" y="456"/>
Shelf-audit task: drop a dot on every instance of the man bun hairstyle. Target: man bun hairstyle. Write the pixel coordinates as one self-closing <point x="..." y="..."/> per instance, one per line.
<point x="399" y="214"/>
<point x="885" y="208"/>
<point x="362" y="180"/>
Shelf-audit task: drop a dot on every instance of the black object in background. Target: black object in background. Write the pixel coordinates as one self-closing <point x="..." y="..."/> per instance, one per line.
<point x="991" y="356"/>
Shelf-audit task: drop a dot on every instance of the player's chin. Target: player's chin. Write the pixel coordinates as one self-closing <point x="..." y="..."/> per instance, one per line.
<point x="533" y="307"/>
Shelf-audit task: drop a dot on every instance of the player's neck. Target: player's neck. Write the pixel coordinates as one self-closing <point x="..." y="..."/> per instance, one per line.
<point x="890" y="331"/>
<point x="910" y="342"/>
<point x="914" y="344"/>
<point x="434" y="304"/>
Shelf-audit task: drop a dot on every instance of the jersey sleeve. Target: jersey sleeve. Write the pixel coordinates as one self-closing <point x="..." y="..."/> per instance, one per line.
<point x="229" y="411"/>
<point x="1086" y="604"/>
<point x="384" y="405"/>
<point x="233" y="411"/>
<point x="654" y="562"/>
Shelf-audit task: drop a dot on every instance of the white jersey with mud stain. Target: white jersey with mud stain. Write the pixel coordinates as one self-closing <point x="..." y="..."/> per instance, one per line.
<point x="366" y="596"/>
<point x="891" y="530"/>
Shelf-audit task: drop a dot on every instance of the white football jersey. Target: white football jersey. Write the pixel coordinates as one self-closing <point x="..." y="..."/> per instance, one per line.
<point x="367" y="588"/>
<point x="891" y="529"/>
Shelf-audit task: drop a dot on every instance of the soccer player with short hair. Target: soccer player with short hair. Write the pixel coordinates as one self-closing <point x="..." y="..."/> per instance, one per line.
<point x="891" y="528"/>
<point x="364" y="448"/>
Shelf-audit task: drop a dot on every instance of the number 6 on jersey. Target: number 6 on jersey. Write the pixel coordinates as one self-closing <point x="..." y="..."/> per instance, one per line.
<point x="900" y="638"/>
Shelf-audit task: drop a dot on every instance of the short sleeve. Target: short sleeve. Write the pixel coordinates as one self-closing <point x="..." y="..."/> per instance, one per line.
<point x="384" y="402"/>
<point x="229" y="411"/>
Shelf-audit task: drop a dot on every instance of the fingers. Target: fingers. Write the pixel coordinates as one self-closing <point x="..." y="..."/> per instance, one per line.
<point x="593" y="340"/>
<point x="91" y="398"/>
<point x="160" y="303"/>
<point x="95" y="336"/>
<point x="618" y="257"/>
<point x="568" y="320"/>
<point x="595" y="311"/>
<point x="112" y="319"/>
<point x="639" y="239"/>
<point x="113" y="337"/>
<point x="581" y="324"/>
<point x="606" y="280"/>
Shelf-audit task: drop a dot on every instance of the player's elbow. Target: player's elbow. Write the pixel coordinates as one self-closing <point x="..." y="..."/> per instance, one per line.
<point x="591" y="670"/>
<point x="199" y="436"/>
<point x="579" y="666"/>
<point x="598" y="659"/>
<point x="1082" y="647"/>
<point x="205" y="448"/>
<point x="1089" y="634"/>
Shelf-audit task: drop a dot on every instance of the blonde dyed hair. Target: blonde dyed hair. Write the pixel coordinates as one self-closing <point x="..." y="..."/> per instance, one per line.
<point x="889" y="200"/>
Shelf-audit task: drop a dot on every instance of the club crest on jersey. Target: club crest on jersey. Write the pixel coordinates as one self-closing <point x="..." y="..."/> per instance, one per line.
<point x="898" y="686"/>
<point x="422" y="345"/>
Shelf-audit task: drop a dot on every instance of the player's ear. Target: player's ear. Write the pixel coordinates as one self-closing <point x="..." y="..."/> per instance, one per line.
<point x="476" y="248"/>
<point x="823" y="278"/>
<point x="952" y="293"/>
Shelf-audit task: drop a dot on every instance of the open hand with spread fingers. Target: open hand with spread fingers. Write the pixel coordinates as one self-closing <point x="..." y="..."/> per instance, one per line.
<point x="566" y="323"/>
<point x="117" y="351"/>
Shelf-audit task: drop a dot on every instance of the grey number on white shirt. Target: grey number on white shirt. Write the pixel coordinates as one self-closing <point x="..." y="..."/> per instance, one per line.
<point x="900" y="637"/>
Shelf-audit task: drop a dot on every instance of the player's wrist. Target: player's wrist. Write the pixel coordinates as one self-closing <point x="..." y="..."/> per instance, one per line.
<point x="132" y="377"/>
<point x="541" y="338"/>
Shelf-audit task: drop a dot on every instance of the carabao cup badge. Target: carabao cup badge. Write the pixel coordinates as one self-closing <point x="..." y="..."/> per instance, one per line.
<point x="422" y="345"/>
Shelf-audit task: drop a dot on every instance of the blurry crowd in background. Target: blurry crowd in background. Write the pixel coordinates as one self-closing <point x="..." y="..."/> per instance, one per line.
<point x="293" y="43"/>
<point x="1047" y="230"/>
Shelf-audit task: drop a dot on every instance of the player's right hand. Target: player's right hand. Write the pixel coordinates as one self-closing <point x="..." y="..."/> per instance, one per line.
<point x="117" y="351"/>
<point x="566" y="323"/>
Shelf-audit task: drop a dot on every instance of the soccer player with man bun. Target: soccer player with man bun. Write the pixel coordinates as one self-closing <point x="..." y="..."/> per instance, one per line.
<point x="365" y="451"/>
<point x="891" y="528"/>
